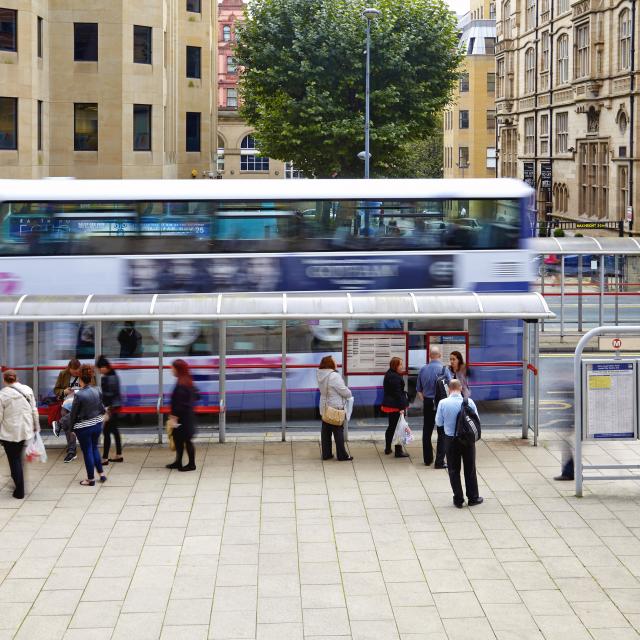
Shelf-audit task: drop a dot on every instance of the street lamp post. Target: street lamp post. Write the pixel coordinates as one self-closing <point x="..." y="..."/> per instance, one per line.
<point x="368" y="14"/>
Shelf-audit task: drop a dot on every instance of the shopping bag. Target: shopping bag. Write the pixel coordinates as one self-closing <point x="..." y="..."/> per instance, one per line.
<point x="170" y="425"/>
<point x="348" y="408"/>
<point x="35" y="449"/>
<point x="403" y="434"/>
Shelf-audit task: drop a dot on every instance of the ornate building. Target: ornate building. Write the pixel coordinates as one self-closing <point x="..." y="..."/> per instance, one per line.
<point x="565" y="103"/>
<point x="470" y="121"/>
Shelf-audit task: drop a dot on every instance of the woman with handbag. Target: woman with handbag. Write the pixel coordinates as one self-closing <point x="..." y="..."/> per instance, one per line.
<point x="394" y="402"/>
<point x="334" y="395"/>
<point x="183" y="400"/>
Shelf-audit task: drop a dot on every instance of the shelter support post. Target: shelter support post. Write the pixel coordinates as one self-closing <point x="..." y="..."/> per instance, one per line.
<point x="160" y="378"/>
<point x="222" y="380"/>
<point x="580" y="294"/>
<point x="543" y="267"/>
<point x="616" y="279"/>
<point x="536" y="383"/>
<point x="283" y="373"/>
<point x="345" y="328"/>
<point x="601" y="301"/>
<point x="562" y="285"/>
<point x="36" y="359"/>
<point x="526" y="352"/>
<point x="5" y="344"/>
<point x="97" y="350"/>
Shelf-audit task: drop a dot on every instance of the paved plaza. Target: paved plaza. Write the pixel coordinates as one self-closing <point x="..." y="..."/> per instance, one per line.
<point x="266" y="541"/>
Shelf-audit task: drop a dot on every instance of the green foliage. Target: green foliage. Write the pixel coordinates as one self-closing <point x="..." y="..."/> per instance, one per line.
<point x="558" y="233"/>
<point x="303" y="82"/>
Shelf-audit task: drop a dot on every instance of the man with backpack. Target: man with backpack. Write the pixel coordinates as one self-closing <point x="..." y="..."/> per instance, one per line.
<point x="460" y="447"/>
<point x="432" y="388"/>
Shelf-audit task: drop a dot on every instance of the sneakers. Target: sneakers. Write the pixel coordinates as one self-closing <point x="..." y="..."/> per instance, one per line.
<point x="55" y="425"/>
<point x="69" y="457"/>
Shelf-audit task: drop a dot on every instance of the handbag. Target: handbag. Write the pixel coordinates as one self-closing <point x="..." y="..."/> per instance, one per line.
<point x="170" y="425"/>
<point x="331" y="415"/>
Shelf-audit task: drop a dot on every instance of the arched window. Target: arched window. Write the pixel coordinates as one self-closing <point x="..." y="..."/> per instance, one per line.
<point x="506" y="19"/>
<point x="226" y="33"/>
<point x="624" y="40"/>
<point x="530" y="70"/>
<point x="250" y="158"/>
<point x="563" y="59"/>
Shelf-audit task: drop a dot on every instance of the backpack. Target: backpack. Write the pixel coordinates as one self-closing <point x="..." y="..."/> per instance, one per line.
<point x="441" y="388"/>
<point x="468" y="430"/>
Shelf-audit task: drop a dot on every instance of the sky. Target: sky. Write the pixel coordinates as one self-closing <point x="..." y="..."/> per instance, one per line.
<point x="459" y="6"/>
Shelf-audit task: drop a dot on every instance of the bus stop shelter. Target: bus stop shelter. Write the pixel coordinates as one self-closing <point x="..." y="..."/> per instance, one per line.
<point x="282" y="307"/>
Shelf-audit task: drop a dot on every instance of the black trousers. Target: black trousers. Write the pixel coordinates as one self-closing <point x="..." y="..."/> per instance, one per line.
<point x="111" y="428"/>
<point x="458" y="455"/>
<point x="325" y="439"/>
<point x="14" y="457"/>
<point x="429" y="420"/>
<point x="183" y="441"/>
<point x="391" y="429"/>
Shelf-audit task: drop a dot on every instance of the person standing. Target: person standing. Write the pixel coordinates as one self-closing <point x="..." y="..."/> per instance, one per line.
<point x="87" y="417"/>
<point x="394" y="403"/>
<point x="130" y="341"/>
<point x="459" y="370"/>
<point x="110" y="384"/>
<point x="458" y="454"/>
<point x="426" y="388"/>
<point x="18" y="422"/>
<point x="333" y="393"/>
<point x="183" y="400"/>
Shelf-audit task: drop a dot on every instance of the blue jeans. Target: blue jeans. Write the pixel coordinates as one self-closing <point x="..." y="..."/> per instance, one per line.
<point x="89" y="437"/>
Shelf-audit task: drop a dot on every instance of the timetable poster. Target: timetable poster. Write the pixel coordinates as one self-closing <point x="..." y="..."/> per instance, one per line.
<point x="449" y="342"/>
<point x="610" y="391"/>
<point x="370" y="353"/>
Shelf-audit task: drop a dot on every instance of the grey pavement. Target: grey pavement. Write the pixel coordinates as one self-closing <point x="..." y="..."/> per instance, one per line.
<point x="266" y="541"/>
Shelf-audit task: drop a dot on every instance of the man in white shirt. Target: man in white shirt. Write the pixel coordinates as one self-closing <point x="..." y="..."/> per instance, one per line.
<point x="457" y="453"/>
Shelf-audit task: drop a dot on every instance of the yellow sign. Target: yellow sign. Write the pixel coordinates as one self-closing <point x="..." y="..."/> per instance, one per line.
<point x="599" y="382"/>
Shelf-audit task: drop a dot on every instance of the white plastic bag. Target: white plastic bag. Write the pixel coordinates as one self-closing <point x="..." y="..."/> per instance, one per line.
<point x="403" y="434"/>
<point x="35" y="449"/>
<point x="348" y="408"/>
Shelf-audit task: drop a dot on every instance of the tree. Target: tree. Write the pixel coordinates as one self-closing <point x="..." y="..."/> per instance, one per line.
<point x="418" y="159"/>
<point x="302" y="86"/>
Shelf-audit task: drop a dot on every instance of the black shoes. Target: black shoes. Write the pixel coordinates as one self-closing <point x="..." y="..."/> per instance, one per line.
<point x="475" y="501"/>
<point x="458" y="505"/>
<point x="173" y="465"/>
<point x="563" y="478"/>
<point x="187" y="467"/>
<point x="387" y="451"/>
<point x="69" y="457"/>
<point x="440" y="466"/>
<point x="402" y="454"/>
<point x="347" y="459"/>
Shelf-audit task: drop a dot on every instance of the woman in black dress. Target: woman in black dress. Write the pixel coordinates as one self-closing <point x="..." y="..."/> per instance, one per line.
<point x="183" y="400"/>
<point x="394" y="402"/>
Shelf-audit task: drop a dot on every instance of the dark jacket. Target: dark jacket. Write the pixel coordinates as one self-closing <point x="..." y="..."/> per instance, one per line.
<point x="87" y="408"/>
<point x="64" y="381"/>
<point x="183" y="400"/>
<point x="110" y="384"/>
<point x="395" y="397"/>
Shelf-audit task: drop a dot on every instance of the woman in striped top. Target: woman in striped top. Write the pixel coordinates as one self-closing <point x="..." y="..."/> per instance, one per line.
<point x="87" y="418"/>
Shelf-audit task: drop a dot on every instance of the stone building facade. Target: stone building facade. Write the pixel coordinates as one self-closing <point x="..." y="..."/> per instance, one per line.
<point x="470" y="121"/>
<point x="117" y="89"/>
<point x="565" y="102"/>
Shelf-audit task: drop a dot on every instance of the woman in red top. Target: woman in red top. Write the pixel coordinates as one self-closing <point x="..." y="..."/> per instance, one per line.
<point x="394" y="402"/>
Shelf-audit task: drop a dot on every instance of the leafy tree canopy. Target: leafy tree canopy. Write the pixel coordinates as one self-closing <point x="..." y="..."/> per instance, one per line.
<point x="303" y="83"/>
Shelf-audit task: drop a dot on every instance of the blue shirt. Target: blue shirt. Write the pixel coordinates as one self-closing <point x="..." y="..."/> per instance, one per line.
<point x="427" y="377"/>
<point x="448" y="410"/>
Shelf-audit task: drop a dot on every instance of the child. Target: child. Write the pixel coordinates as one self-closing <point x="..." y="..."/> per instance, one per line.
<point x="64" y="424"/>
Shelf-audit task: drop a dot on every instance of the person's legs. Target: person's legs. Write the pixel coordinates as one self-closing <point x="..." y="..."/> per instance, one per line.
<point x="325" y="441"/>
<point x="454" y="462"/>
<point x="440" y="448"/>
<point x="429" y="418"/>
<point x="391" y="429"/>
<point x="96" y="430"/>
<point x="470" y="477"/>
<point x="86" y="444"/>
<point x="178" y="439"/>
<point x="114" y="424"/>
<point x="341" y="451"/>
<point x="191" y="453"/>
<point x="13" y="451"/>
<point x="106" y="445"/>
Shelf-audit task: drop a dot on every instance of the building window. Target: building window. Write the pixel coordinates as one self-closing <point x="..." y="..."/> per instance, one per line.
<point x="544" y="134"/>
<point x="491" y="82"/>
<point x="531" y="14"/>
<point x="464" y="119"/>
<point x="563" y="6"/>
<point x="624" y="42"/>
<point x="501" y="79"/>
<point x="226" y="33"/>
<point x="8" y="123"/>
<point x="623" y="191"/>
<point x="562" y="132"/>
<point x="85" y="41"/>
<point x="291" y="173"/>
<point x="463" y="157"/>
<point x="472" y="42"/>
<point x="491" y="119"/>
<point x="142" y="44"/>
<point x="464" y="82"/>
<point x="232" y="67"/>
<point x="194" y="6"/>
<point x="39" y="125"/>
<point x="85" y="124"/>
<point x="8" y="30"/>
<point x="142" y="127"/>
<point x="232" y="98"/>
<point x="508" y="152"/>
<point x="194" y="67"/>
<point x="582" y="51"/>
<point x="490" y="46"/>
<point x="530" y="70"/>
<point x="250" y="158"/>
<point x="563" y="59"/>
<point x="220" y="156"/>
<point x="506" y="19"/>
<point x="491" y="157"/>
<point x="594" y="178"/>
<point x="40" y="36"/>
<point x="544" y="57"/>
<point x="193" y="131"/>
<point x="530" y="136"/>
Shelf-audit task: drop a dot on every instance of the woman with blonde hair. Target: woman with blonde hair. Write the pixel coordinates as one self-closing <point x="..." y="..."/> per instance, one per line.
<point x="333" y="393"/>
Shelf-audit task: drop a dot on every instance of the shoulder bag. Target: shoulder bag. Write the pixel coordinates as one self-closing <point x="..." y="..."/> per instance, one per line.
<point x="331" y="415"/>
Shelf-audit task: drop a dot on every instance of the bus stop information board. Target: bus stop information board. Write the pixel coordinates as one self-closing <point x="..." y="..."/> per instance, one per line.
<point x="448" y="341"/>
<point x="609" y="397"/>
<point x="369" y="353"/>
